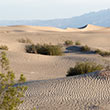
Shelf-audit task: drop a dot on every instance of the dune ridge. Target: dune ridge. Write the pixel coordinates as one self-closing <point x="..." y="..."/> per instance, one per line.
<point x="90" y="27"/>
<point x="26" y="28"/>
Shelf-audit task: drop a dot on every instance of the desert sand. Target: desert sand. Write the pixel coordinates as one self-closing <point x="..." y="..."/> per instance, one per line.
<point x="49" y="89"/>
<point x="84" y="92"/>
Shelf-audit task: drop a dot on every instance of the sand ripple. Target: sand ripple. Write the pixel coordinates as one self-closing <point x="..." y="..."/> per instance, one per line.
<point x="86" y="92"/>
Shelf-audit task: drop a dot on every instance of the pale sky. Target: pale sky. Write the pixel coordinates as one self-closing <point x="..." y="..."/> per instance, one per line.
<point x="48" y="9"/>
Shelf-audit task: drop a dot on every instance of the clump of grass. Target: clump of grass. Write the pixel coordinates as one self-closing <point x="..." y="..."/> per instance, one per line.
<point x="85" y="48"/>
<point x="3" y="47"/>
<point x="84" y="68"/>
<point x="77" y="43"/>
<point x="68" y="42"/>
<point x="31" y="48"/>
<point x="26" y="40"/>
<point x="45" y="49"/>
<point x="98" y="51"/>
<point x="105" y="54"/>
<point x="102" y="53"/>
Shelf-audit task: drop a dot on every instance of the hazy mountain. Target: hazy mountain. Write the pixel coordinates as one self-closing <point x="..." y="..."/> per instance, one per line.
<point x="101" y="18"/>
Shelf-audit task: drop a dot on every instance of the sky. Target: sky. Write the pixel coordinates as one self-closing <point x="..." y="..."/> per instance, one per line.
<point x="48" y="9"/>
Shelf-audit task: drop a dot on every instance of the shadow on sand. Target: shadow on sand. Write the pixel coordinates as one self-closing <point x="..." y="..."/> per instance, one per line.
<point x="77" y="49"/>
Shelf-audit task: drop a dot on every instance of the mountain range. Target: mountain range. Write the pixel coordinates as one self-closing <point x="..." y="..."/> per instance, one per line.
<point x="100" y="18"/>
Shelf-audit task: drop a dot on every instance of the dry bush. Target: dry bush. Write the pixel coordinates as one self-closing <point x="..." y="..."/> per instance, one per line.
<point x="77" y="43"/>
<point x="68" y="42"/>
<point x="84" y="68"/>
<point x="25" y="40"/>
<point x="45" y="49"/>
<point x="3" y="47"/>
<point x="102" y="53"/>
<point x="85" y="48"/>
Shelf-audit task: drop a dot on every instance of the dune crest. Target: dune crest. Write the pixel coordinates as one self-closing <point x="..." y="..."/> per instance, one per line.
<point x="90" y="27"/>
<point x="87" y="27"/>
<point x="37" y="28"/>
<point x="27" y="28"/>
<point x="72" y="29"/>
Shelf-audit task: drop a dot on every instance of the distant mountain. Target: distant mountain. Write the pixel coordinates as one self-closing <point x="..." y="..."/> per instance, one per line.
<point x="100" y="18"/>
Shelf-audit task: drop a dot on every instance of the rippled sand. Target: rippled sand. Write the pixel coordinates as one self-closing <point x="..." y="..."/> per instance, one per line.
<point x="51" y="90"/>
<point x="85" y="92"/>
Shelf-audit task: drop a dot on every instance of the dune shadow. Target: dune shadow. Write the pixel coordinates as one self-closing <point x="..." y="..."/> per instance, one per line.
<point x="72" y="49"/>
<point x="83" y="26"/>
<point x="77" y="49"/>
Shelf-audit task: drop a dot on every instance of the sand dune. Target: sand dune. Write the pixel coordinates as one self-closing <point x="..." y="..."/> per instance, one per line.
<point x="36" y="28"/>
<point x="59" y="92"/>
<point x="86" y="92"/>
<point x="24" y="28"/>
<point x="38" y="67"/>
<point x="72" y="30"/>
<point x="90" y="27"/>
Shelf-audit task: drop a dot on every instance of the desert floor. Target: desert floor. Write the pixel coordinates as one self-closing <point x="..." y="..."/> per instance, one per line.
<point x="49" y="89"/>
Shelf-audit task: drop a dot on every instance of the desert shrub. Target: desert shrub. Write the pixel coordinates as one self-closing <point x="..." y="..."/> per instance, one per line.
<point x="84" y="68"/>
<point x="77" y="43"/>
<point x="3" y="47"/>
<point x="68" y="42"/>
<point x="31" y="48"/>
<point x="26" y="40"/>
<point x="85" y="48"/>
<point x="11" y="93"/>
<point x="45" y="49"/>
<point x="102" y="53"/>
<point x="98" y="51"/>
<point x="49" y="50"/>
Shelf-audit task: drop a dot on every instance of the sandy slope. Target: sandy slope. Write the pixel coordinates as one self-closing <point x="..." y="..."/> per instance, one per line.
<point x="37" y="67"/>
<point x="75" y="93"/>
<point x="86" y="92"/>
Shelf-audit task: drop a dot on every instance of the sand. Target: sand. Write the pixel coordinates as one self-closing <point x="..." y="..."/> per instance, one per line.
<point x="84" y="92"/>
<point x="49" y="88"/>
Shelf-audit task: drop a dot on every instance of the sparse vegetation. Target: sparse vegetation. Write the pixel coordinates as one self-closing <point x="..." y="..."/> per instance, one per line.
<point x="3" y="47"/>
<point x="105" y="54"/>
<point x="98" y="51"/>
<point x="68" y="42"/>
<point x="45" y="49"/>
<point x="102" y="53"/>
<point x="77" y="43"/>
<point x="10" y="92"/>
<point x="84" y="68"/>
<point x="25" y="40"/>
<point x="31" y="48"/>
<point x="85" y="48"/>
